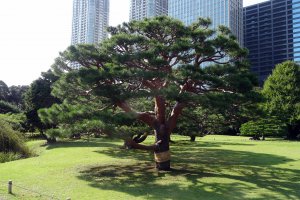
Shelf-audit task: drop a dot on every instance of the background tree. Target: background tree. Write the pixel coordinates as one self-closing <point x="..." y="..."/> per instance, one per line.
<point x="220" y="114"/>
<point x="4" y="91"/>
<point x="39" y="96"/>
<point x="11" y="98"/>
<point x="161" y="60"/>
<point x="199" y="121"/>
<point x="16" y="94"/>
<point x="282" y="93"/>
<point x="6" y="107"/>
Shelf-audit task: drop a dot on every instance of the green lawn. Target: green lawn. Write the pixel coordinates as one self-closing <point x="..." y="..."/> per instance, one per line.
<point x="212" y="168"/>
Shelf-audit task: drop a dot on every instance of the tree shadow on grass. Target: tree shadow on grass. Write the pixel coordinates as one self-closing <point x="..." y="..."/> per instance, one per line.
<point x="83" y="143"/>
<point x="200" y="144"/>
<point x="198" y="173"/>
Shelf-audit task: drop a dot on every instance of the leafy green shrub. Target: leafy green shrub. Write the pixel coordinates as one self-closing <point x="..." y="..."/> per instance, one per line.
<point x="16" y="121"/>
<point x="12" y="145"/>
<point x="264" y="127"/>
<point x="7" y="157"/>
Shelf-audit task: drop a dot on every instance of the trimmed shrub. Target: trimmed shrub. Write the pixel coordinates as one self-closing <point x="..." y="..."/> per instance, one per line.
<point x="264" y="127"/>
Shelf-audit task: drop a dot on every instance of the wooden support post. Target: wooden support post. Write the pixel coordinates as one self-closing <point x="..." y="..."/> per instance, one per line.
<point x="69" y="198"/>
<point x="9" y="187"/>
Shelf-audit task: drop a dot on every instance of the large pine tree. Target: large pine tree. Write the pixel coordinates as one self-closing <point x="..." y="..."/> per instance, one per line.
<point x="159" y="60"/>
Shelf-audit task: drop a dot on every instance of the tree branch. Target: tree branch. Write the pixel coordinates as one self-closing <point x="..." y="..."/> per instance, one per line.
<point x="133" y="145"/>
<point x="147" y="118"/>
<point x="177" y="110"/>
<point x="142" y="116"/>
<point x="140" y="137"/>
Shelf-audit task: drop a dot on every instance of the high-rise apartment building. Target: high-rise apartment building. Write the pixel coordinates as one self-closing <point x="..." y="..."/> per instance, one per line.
<point x="272" y="34"/>
<point x="90" y="20"/>
<point x="221" y="12"/>
<point x="140" y="9"/>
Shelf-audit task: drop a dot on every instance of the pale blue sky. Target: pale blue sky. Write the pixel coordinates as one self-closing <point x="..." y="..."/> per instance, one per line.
<point x="33" y="32"/>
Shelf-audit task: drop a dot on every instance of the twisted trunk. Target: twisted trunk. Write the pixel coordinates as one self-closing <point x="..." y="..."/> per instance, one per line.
<point x="162" y="130"/>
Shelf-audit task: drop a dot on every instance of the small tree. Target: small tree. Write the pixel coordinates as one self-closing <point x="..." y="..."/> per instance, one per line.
<point x="282" y="93"/>
<point x="161" y="60"/>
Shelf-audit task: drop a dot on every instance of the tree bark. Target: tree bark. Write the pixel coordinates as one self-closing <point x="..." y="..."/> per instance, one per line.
<point x="160" y="109"/>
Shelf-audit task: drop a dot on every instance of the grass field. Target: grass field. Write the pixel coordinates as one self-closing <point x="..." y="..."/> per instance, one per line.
<point x="212" y="168"/>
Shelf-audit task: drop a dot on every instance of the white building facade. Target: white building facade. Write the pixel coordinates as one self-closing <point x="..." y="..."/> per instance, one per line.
<point x="90" y="21"/>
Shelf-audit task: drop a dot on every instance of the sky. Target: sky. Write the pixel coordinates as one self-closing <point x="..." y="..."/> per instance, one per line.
<point x="33" y="32"/>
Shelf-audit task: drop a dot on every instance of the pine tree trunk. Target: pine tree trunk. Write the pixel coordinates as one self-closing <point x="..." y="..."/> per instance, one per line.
<point x="162" y="153"/>
<point x="193" y="138"/>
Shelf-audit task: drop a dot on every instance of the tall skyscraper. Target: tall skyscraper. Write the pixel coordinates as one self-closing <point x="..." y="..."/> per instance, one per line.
<point x="272" y="34"/>
<point x="221" y="12"/>
<point x="140" y="9"/>
<point x="90" y="20"/>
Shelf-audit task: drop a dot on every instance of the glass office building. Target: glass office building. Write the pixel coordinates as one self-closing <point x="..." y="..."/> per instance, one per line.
<point x="272" y="34"/>
<point x="140" y="9"/>
<point x="221" y="12"/>
<point x="90" y="20"/>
